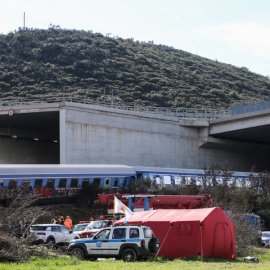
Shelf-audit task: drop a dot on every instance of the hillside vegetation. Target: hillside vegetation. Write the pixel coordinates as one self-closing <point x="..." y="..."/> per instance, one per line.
<point x="61" y="62"/>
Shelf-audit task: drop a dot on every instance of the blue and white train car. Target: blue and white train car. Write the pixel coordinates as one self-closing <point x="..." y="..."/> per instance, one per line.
<point x="56" y="178"/>
<point x="66" y="175"/>
<point x="182" y="177"/>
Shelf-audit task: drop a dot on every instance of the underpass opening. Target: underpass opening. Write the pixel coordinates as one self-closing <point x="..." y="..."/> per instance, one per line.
<point x="29" y="138"/>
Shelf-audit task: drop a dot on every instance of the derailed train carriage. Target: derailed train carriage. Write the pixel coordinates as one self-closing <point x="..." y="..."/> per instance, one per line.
<point x="50" y="180"/>
<point x="166" y="177"/>
<point x="66" y="179"/>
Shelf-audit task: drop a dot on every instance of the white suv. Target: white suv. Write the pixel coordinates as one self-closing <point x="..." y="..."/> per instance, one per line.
<point x="130" y="243"/>
<point x="52" y="234"/>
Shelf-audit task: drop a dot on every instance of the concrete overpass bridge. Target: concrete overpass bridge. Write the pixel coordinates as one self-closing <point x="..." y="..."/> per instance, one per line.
<point x="76" y="131"/>
<point x="251" y="127"/>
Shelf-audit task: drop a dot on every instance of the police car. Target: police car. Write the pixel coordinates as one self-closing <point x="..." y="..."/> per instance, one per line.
<point x="129" y="243"/>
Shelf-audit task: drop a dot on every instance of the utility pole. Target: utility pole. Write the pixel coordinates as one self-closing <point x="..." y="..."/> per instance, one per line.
<point x="24" y="21"/>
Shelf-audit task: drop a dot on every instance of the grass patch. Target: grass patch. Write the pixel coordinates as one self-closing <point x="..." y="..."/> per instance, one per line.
<point x="68" y="263"/>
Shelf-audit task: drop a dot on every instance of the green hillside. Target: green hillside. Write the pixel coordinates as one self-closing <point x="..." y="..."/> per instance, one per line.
<point x="85" y="64"/>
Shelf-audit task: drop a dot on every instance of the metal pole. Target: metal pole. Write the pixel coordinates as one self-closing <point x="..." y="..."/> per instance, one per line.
<point x="24" y="21"/>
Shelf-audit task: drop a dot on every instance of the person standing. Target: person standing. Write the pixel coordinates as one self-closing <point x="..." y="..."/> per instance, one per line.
<point x="53" y="221"/>
<point x="68" y="223"/>
<point x="60" y="220"/>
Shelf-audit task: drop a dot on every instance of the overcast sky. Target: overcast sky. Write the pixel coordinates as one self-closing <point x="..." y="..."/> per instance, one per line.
<point x="236" y="32"/>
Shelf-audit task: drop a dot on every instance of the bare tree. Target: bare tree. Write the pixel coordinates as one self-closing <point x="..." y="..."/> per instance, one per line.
<point x="237" y="198"/>
<point x="15" y="219"/>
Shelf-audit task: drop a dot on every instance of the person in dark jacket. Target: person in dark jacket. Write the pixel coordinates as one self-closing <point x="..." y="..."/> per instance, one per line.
<point x="60" y="220"/>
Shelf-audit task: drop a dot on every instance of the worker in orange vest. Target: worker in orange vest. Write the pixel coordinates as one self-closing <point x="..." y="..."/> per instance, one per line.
<point x="68" y="223"/>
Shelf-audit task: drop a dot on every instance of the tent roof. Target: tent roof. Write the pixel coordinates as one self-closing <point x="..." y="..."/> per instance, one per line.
<point x="172" y="215"/>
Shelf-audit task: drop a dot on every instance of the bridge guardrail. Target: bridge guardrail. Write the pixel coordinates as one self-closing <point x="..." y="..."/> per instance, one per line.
<point x="182" y="113"/>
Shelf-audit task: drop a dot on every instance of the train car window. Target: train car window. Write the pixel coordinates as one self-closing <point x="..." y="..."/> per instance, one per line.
<point x="38" y="183"/>
<point x="25" y="182"/>
<point x="193" y="181"/>
<point x="50" y="183"/>
<point x="219" y="180"/>
<point x="74" y="182"/>
<point x="183" y="180"/>
<point x="85" y="182"/>
<point x="62" y="183"/>
<point x="12" y="183"/>
<point x="188" y="180"/>
<point x="199" y="181"/>
<point x="247" y="183"/>
<point x="172" y="180"/>
<point x="131" y="179"/>
<point x="126" y="181"/>
<point x="107" y="182"/>
<point x="96" y="181"/>
<point x="115" y="182"/>
<point x="230" y="182"/>
<point x="158" y="180"/>
<point x="167" y="179"/>
<point x="139" y="176"/>
<point x="178" y="180"/>
<point x="239" y="182"/>
<point x="208" y="181"/>
<point x="146" y="175"/>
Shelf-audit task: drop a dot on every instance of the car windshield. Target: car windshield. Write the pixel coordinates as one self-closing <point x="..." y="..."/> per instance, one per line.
<point x="38" y="228"/>
<point x="96" y="225"/>
<point x="64" y="229"/>
<point x="79" y="227"/>
<point x="266" y="234"/>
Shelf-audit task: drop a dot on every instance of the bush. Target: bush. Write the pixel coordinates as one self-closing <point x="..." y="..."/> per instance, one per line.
<point x="15" y="220"/>
<point x="13" y="250"/>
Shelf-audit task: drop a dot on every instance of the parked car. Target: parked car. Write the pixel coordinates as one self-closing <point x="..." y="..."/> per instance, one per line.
<point x="78" y="228"/>
<point x="129" y="243"/>
<point x="52" y="234"/>
<point x="265" y="239"/>
<point x="94" y="227"/>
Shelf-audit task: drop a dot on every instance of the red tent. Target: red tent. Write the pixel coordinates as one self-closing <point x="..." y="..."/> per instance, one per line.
<point x="206" y="232"/>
